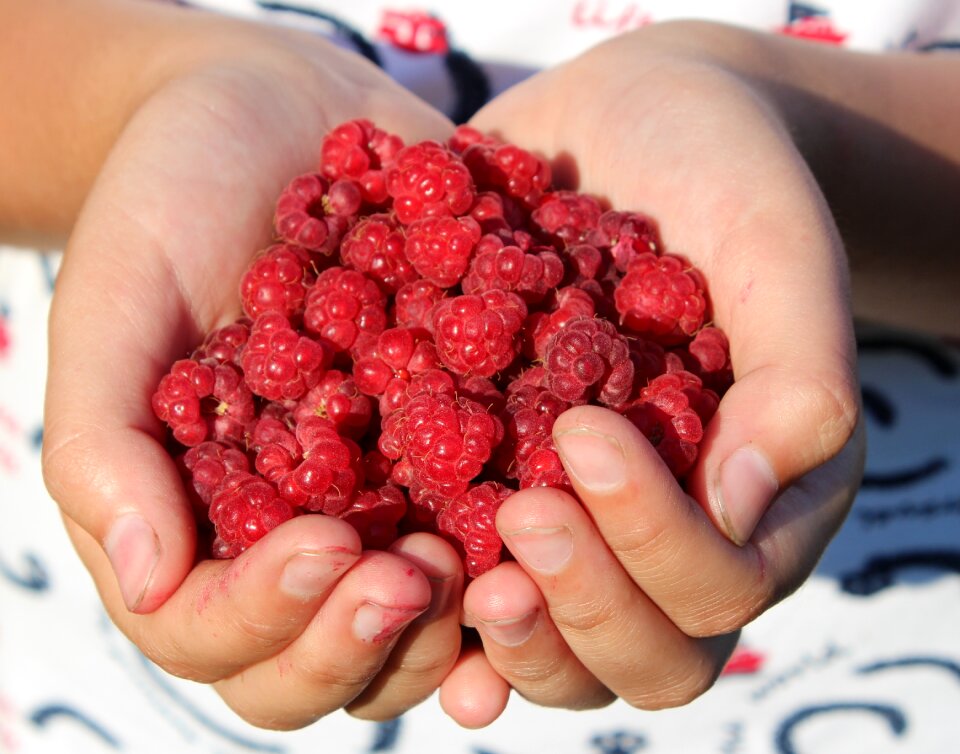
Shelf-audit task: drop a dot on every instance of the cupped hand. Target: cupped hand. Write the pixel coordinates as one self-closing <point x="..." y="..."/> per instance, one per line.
<point x="304" y="623"/>
<point x="639" y="592"/>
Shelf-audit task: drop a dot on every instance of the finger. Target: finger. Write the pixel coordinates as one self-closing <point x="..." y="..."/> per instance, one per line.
<point x="523" y="645"/>
<point x="474" y="694"/>
<point x="230" y="614"/>
<point x="616" y="631"/>
<point x="663" y="539"/>
<point x="427" y="650"/>
<point x="341" y="651"/>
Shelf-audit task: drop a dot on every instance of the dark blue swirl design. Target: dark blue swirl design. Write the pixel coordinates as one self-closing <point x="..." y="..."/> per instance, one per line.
<point x="906" y="477"/>
<point x="878" y="406"/>
<point x="618" y="742"/>
<point x="894" y="718"/>
<point x="339" y="26"/>
<point x="43" y="716"/>
<point x="879" y="573"/>
<point x="33" y="577"/>
<point x="201" y="717"/>
<point x="386" y="735"/>
<point x="913" y="662"/>
<point x="927" y="351"/>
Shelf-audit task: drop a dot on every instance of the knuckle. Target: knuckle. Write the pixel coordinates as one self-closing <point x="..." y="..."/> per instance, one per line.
<point x="678" y="688"/>
<point x="167" y="654"/>
<point x="592" y="615"/>
<point x="836" y="405"/>
<point x="717" y="613"/>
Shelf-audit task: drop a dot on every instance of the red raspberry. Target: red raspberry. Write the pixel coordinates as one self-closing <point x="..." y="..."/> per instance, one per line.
<point x="661" y="297"/>
<point x="588" y="358"/>
<point x="386" y="368"/>
<point x="234" y="408"/>
<point x="708" y="357"/>
<point x="545" y="469"/>
<point x="541" y="327"/>
<point x="177" y="400"/>
<point x="342" y="304"/>
<point x="584" y="262"/>
<point x="529" y="416"/>
<point x="414" y="302"/>
<point x="626" y="235"/>
<point x="225" y="343"/>
<point x="479" y="335"/>
<point x="445" y="440"/>
<point x="243" y="509"/>
<point x="276" y="448"/>
<point x="466" y="136"/>
<point x="376" y="467"/>
<point x="337" y="400"/>
<point x="509" y="169"/>
<point x="567" y="216"/>
<point x="509" y="268"/>
<point x="374" y="246"/>
<point x="278" y="363"/>
<point x="328" y="475"/>
<point x="428" y="180"/>
<point x="209" y="462"/>
<point x="671" y="412"/>
<point x="359" y="150"/>
<point x="440" y="247"/>
<point x="482" y="390"/>
<point x="375" y="513"/>
<point x="471" y="519"/>
<point x="306" y="216"/>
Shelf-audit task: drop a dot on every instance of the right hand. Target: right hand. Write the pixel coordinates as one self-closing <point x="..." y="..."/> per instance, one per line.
<point x="304" y="623"/>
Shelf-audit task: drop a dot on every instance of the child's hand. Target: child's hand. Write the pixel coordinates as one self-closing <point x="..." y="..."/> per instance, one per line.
<point x="640" y="592"/>
<point x="304" y="623"/>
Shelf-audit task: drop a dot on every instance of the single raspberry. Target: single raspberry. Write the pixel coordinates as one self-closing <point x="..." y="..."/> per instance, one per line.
<point x="280" y="363"/>
<point x="414" y="302"/>
<point x="446" y="440"/>
<point x="482" y="390"/>
<point x="509" y="169"/>
<point x="427" y="180"/>
<point x="374" y="246"/>
<point x="466" y="136"/>
<point x="232" y="408"/>
<point x="589" y="359"/>
<point x="662" y="298"/>
<point x="671" y="413"/>
<point x="359" y="150"/>
<point x="330" y="472"/>
<point x="376" y="467"/>
<point x="386" y="368"/>
<point x="209" y="462"/>
<point x="479" y="335"/>
<point x="541" y="327"/>
<point x="584" y="262"/>
<point x="342" y="304"/>
<point x="177" y="400"/>
<point x="530" y="275"/>
<point x="490" y="210"/>
<point x="625" y="235"/>
<point x="528" y="419"/>
<point x="337" y="400"/>
<point x="224" y="344"/>
<point x="243" y="509"/>
<point x="275" y="447"/>
<point x="305" y="215"/>
<point x="440" y="247"/>
<point x="375" y="513"/>
<point x="708" y="357"/>
<point x="567" y="216"/>
<point x="471" y="519"/>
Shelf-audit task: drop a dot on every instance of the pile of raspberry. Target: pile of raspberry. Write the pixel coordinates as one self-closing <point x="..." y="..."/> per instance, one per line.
<point x="424" y="315"/>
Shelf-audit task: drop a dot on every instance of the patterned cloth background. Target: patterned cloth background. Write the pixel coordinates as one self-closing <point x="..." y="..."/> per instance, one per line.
<point x="864" y="658"/>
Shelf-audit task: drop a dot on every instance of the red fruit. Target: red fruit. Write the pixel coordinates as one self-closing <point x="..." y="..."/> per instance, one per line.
<point x="708" y="357"/>
<point x="589" y="359"/>
<point x="337" y="400"/>
<point x="471" y="519"/>
<point x="625" y="235"/>
<point x="466" y="136"/>
<point x="359" y="150"/>
<point x="177" y="400"/>
<point x="510" y="170"/>
<point x="428" y="180"/>
<point x="232" y="409"/>
<point x="387" y="366"/>
<point x="374" y="246"/>
<point x="375" y="513"/>
<point x="445" y="440"/>
<point x="671" y="412"/>
<point x="278" y="363"/>
<point x="662" y="298"/>
<point x="541" y="327"/>
<point x="330" y="472"/>
<point x="567" y="216"/>
<point x="243" y="509"/>
<point x="225" y="343"/>
<point x="209" y="462"/>
<point x="414" y="302"/>
<point x="305" y="215"/>
<point x="529" y="416"/>
<point x="440" y="247"/>
<point x="531" y="275"/>
<point x="341" y="305"/>
<point x="479" y="335"/>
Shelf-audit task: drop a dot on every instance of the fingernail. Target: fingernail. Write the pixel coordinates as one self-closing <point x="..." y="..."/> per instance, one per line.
<point x="596" y="460"/>
<point x="133" y="549"/>
<point x="747" y="486"/>
<point x="544" y="550"/>
<point x="510" y="632"/>
<point x="309" y="574"/>
<point x="373" y="623"/>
